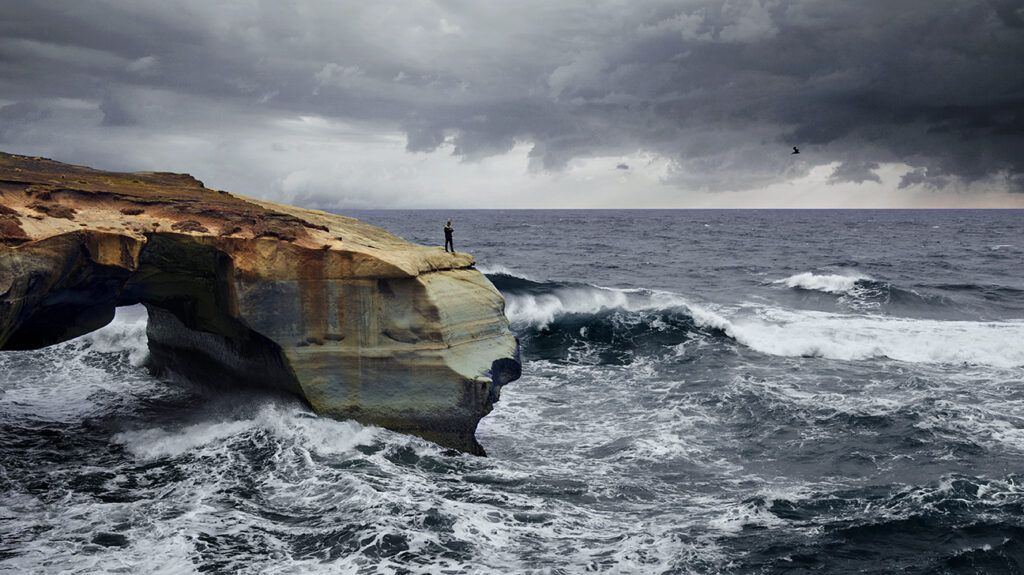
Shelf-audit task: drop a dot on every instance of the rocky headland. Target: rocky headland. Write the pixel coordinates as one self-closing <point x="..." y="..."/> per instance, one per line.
<point x="355" y="320"/>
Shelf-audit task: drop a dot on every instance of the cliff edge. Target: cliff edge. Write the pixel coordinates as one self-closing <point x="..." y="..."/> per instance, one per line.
<point x="359" y="322"/>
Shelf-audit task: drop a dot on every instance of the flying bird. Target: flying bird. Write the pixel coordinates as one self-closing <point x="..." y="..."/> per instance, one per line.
<point x="795" y="150"/>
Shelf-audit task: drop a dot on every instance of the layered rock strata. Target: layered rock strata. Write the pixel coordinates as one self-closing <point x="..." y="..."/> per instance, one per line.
<point x="357" y="321"/>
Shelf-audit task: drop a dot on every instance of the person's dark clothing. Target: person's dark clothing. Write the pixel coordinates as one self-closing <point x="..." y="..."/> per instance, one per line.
<point x="448" y="242"/>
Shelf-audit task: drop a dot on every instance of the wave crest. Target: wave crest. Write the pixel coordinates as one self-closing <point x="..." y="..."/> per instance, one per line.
<point x="827" y="283"/>
<point x="593" y="324"/>
<point x="608" y="325"/>
<point x="587" y="323"/>
<point x="860" y="292"/>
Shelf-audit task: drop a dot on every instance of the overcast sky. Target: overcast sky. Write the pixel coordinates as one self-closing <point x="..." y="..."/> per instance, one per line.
<point x="551" y="103"/>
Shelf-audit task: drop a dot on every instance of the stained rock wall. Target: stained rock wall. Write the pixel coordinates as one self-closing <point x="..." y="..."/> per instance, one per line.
<point x="357" y="321"/>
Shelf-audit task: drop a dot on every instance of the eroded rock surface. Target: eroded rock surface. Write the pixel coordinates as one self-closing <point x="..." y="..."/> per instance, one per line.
<point x="359" y="322"/>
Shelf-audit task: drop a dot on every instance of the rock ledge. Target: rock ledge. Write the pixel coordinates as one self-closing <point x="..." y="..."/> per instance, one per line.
<point x="359" y="322"/>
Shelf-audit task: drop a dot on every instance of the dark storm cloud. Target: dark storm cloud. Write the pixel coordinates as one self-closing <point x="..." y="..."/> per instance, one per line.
<point x="919" y="176"/>
<point x="856" y="172"/>
<point x="722" y="87"/>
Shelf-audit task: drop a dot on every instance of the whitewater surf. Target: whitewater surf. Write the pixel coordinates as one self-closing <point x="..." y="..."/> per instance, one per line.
<point x="743" y="396"/>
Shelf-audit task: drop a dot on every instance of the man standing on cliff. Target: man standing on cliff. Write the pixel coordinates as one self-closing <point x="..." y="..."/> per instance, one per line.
<point x="448" y="231"/>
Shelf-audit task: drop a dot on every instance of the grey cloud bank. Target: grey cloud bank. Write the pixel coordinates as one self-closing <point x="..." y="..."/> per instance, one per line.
<point x="534" y="104"/>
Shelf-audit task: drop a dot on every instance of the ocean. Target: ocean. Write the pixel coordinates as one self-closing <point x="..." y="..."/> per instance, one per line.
<point x="704" y="391"/>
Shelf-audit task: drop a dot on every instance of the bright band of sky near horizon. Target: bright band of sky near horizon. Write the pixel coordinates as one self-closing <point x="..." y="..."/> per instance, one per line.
<point x="570" y="104"/>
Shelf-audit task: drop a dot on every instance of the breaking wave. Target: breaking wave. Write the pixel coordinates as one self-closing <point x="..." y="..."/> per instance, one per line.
<point x="828" y="283"/>
<point x="855" y="291"/>
<point x="579" y="322"/>
<point x="859" y="292"/>
<point x="584" y="323"/>
<point x="861" y="337"/>
<point x="499" y="270"/>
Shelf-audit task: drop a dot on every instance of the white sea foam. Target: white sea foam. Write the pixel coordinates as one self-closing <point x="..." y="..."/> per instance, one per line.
<point x="622" y="488"/>
<point x="296" y="425"/>
<point x="800" y="333"/>
<point x="858" y="337"/>
<point x="126" y="333"/>
<point x="540" y="310"/>
<point x="827" y="283"/>
<point x="29" y="378"/>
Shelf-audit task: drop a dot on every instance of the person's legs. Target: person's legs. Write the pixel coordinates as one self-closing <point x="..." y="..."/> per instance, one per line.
<point x="449" y="242"/>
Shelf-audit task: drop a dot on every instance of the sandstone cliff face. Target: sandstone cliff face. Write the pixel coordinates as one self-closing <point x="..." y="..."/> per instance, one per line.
<point x="359" y="322"/>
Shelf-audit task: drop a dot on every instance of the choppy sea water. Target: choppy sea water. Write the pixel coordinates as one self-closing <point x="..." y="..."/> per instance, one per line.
<point x="703" y="392"/>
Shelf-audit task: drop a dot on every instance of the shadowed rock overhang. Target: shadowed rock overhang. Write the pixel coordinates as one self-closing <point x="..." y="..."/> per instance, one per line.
<point x="357" y="321"/>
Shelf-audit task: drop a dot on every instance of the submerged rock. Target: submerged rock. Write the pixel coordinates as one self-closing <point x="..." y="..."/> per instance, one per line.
<point x="359" y="322"/>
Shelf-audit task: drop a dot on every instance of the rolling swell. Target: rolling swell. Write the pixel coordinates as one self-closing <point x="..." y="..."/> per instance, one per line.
<point x="1007" y="298"/>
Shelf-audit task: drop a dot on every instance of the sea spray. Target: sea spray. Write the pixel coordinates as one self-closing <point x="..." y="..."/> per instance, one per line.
<point x="654" y="438"/>
<point x="828" y="283"/>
